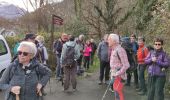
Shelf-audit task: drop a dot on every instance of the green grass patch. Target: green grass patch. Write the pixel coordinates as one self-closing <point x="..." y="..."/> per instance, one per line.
<point x="95" y="66"/>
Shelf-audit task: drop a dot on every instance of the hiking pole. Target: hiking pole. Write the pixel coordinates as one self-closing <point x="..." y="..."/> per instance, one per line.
<point x="40" y="96"/>
<point x="50" y="84"/>
<point x="17" y="96"/>
<point x="106" y="90"/>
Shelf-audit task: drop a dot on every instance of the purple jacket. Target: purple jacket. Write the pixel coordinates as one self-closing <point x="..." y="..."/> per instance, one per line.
<point x="157" y="68"/>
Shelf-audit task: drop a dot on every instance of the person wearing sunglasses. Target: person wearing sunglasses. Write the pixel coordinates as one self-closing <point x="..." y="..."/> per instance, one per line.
<point x="157" y="62"/>
<point x="25" y="77"/>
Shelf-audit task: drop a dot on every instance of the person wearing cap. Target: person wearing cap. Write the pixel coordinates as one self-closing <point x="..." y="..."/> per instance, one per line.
<point x="25" y="77"/>
<point x="30" y="37"/>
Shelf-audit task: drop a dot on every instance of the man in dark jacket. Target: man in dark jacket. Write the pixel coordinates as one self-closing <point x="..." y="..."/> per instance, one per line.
<point x="103" y="54"/>
<point x="57" y="49"/>
<point x="132" y="53"/>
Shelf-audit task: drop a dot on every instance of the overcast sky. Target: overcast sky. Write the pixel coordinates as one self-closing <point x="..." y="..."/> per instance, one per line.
<point x="23" y="3"/>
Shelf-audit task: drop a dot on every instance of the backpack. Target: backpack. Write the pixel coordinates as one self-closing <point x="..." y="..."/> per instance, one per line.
<point x="68" y="59"/>
<point x="40" y="54"/>
<point x="126" y="44"/>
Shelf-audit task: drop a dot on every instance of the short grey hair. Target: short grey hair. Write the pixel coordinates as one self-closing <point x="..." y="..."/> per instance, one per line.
<point x="32" y="47"/>
<point x="114" y="37"/>
<point x="81" y="36"/>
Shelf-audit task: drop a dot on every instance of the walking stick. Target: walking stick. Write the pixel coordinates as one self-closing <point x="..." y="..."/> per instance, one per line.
<point x="106" y="91"/>
<point x="50" y="84"/>
<point x="17" y="97"/>
<point x="109" y="85"/>
<point x="40" y="96"/>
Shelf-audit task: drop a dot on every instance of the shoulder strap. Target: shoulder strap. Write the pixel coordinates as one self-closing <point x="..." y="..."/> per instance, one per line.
<point x="12" y="70"/>
<point x="37" y="71"/>
<point x="143" y="52"/>
<point x="118" y="56"/>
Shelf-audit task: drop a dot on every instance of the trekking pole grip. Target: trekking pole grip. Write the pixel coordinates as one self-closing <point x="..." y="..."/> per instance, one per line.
<point x="40" y="93"/>
<point x="17" y="97"/>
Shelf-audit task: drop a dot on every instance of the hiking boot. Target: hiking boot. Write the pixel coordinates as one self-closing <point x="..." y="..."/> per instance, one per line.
<point x="107" y="82"/>
<point x="138" y="89"/>
<point x="100" y="82"/>
<point x="111" y="90"/>
<point x="142" y="93"/>
<point x="74" y="90"/>
<point x="65" y="90"/>
<point x="127" y="84"/>
<point x="58" y="78"/>
<point x="136" y="86"/>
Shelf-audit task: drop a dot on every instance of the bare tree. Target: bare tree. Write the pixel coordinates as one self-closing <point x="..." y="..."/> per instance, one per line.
<point x="78" y="8"/>
<point x="105" y="15"/>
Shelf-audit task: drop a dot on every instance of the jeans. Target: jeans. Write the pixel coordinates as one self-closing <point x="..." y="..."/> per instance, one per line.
<point x="156" y="87"/>
<point x="58" y="68"/>
<point x="141" y="73"/>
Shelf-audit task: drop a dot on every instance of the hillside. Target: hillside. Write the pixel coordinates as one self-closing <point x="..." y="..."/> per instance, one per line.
<point x="10" y="11"/>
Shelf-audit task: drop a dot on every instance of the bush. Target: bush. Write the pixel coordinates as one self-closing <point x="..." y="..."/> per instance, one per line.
<point x="11" y="42"/>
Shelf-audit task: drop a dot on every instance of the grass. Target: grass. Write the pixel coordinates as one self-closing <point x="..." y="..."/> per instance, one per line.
<point x="95" y="65"/>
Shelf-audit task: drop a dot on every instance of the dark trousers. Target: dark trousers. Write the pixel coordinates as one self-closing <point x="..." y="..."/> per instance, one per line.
<point x="104" y="70"/>
<point x="141" y="73"/>
<point x="79" y="62"/>
<point x="129" y="75"/>
<point x="70" y="74"/>
<point x="92" y="59"/>
<point x="58" y="67"/>
<point x="156" y="87"/>
<point x="86" y="62"/>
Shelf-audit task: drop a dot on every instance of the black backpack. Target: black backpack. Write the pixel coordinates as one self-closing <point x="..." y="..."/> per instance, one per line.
<point x="125" y="43"/>
<point x="68" y="59"/>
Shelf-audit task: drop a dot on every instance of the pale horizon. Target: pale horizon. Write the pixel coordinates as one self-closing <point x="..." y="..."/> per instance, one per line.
<point x="24" y="3"/>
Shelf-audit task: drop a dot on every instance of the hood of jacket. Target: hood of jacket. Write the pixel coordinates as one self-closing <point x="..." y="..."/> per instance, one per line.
<point x="70" y="43"/>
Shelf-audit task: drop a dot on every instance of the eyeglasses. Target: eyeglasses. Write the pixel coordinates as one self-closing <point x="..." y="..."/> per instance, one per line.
<point x="24" y="53"/>
<point x="158" y="44"/>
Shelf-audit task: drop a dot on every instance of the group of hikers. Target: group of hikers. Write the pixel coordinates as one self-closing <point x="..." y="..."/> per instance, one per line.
<point x="120" y="58"/>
